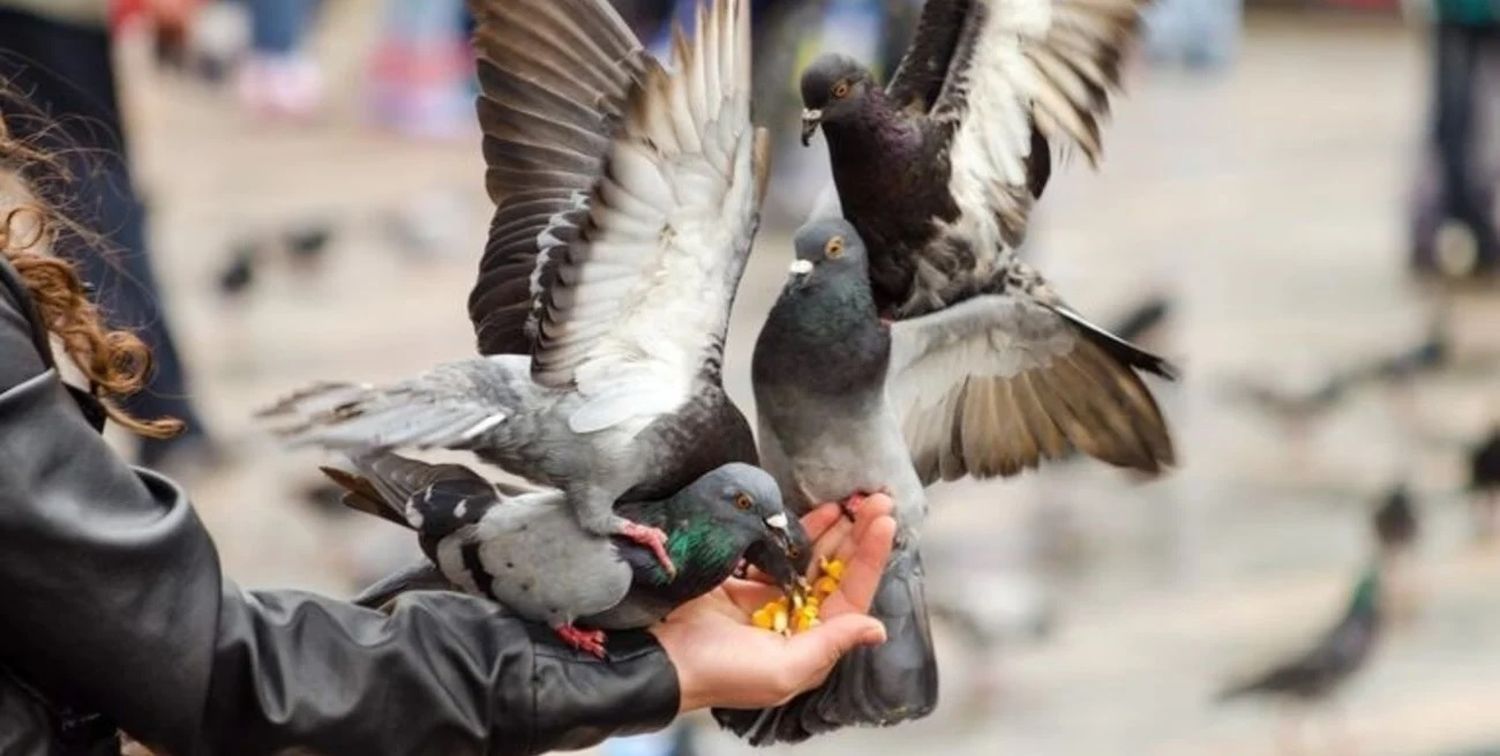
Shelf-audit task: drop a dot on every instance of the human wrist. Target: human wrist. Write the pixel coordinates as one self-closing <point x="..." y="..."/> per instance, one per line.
<point x="691" y="693"/>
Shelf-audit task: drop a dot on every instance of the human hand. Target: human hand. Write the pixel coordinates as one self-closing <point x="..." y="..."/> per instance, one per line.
<point x="723" y="660"/>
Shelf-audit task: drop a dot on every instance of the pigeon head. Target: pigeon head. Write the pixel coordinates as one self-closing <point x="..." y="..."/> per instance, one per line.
<point x="828" y="248"/>
<point x="832" y="89"/>
<point x="745" y="505"/>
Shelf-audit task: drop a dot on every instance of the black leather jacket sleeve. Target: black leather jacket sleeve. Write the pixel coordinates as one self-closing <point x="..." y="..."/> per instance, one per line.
<point x="113" y="600"/>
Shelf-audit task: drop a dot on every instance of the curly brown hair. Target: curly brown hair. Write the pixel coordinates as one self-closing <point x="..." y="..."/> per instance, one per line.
<point x="115" y="361"/>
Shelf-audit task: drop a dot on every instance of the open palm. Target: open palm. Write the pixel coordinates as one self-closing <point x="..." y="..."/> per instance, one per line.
<point x="723" y="660"/>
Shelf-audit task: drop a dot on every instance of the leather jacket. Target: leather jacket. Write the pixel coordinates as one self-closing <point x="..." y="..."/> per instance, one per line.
<point x="114" y="613"/>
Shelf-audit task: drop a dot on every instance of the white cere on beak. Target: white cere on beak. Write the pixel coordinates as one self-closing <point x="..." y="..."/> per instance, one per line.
<point x="801" y="267"/>
<point x="777" y="520"/>
<point x="812" y="115"/>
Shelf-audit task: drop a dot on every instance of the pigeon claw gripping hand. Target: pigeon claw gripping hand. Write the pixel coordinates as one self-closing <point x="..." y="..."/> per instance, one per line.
<point x="799" y="611"/>
<point x="655" y="540"/>
<point x="587" y="641"/>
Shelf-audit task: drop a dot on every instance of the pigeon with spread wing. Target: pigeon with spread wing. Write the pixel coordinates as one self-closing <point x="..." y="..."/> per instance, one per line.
<point x="626" y="199"/>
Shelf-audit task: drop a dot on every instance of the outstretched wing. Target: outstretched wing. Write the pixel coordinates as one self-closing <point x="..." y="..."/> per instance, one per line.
<point x="640" y="303"/>
<point x="555" y="77"/>
<point x="995" y="384"/>
<point x="1018" y="77"/>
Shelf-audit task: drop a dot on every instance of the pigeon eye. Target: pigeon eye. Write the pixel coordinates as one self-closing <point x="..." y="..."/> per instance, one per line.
<point x="834" y="249"/>
<point x="743" y="501"/>
<point x="793" y="552"/>
<point x="841" y="89"/>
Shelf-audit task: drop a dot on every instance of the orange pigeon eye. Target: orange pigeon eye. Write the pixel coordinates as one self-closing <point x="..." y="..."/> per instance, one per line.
<point x="834" y="249"/>
<point x="841" y="89"/>
<point x="743" y="501"/>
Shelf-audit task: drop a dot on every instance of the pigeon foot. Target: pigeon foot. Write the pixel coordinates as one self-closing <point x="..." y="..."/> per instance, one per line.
<point x="856" y="501"/>
<point x="654" y="539"/>
<point x="587" y="641"/>
<point x="852" y="505"/>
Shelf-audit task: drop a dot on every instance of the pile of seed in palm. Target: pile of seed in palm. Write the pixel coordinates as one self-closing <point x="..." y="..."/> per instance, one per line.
<point x="799" y="612"/>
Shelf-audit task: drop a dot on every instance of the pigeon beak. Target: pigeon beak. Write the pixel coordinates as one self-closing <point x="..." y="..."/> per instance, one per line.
<point x="800" y="270"/>
<point x="777" y="521"/>
<point x="811" y="119"/>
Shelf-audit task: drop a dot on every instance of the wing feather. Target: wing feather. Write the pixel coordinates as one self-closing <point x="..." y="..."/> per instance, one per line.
<point x="669" y="228"/>
<point x="554" y="78"/>
<point x="1018" y="78"/>
<point x="996" y="384"/>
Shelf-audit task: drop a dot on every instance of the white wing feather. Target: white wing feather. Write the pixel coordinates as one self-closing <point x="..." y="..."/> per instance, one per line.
<point x="650" y="280"/>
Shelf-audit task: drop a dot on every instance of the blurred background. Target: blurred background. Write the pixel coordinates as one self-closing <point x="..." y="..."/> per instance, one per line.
<point x="1296" y="204"/>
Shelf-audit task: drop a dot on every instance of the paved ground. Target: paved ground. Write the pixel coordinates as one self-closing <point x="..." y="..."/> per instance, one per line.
<point x="1267" y="201"/>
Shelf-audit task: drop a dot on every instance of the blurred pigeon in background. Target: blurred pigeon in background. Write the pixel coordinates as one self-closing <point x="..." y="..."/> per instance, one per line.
<point x="1484" y="482"/>
<point x="526" y="551"/>
<point x="1317" y="673"/>
<point x="627" y="199"/>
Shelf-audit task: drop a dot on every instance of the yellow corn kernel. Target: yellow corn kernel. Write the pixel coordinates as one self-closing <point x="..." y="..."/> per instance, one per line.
<point x="761" y="618"/>
<point x="825" y="587"/>
<point x="833" y="568"/>
<point x="779" y="621"/>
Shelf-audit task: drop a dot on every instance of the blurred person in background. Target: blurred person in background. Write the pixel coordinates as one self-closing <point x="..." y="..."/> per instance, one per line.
<point x="422" y="80"/>
<point x="58" y="55"/>
<point x="279" y="78"/>
<point x="1455" y="226"/>
<point x="1201" y="34"/>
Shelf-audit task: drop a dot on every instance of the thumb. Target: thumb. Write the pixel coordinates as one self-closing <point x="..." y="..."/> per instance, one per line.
<point x="816" y="651"/>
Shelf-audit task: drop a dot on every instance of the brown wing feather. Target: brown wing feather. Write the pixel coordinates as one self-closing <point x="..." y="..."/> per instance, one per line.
<point x="1019" y="383"/>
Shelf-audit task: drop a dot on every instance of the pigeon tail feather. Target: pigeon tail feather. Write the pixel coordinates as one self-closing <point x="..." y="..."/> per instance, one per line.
<point x="418" y="577"/>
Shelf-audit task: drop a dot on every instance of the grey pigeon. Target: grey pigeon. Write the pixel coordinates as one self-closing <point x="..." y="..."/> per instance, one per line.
<point x="1320" y="670"/>
<point x="626" y="201"/>
<point x="528" y="553"/>
<point x="841" y="396"/>
<point x="938" y="172"/>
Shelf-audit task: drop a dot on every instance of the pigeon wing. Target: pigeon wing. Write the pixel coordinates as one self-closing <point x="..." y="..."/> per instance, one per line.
<point x="639" y="305"/>
<point x="555" y="76"/>
<point x="449" y="406"/>
<point x="995" y="384"/>
<point x="1021" y="75"/>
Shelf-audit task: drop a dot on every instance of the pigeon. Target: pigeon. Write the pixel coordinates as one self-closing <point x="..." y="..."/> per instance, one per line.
<point x="1395" y="522"/>
<point x="939" y="169"/>
<point x="1143" y="319"/>
<point x="938" y="172"/>
<point x="846" y="409"/>
<point x="527" y="552"/>
<point x="626" y="199"/>
<point x="307" y="243"/>
<point x="238" y="274"/>
<point x="1319" y="672"/>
